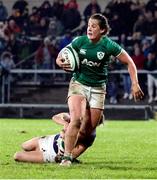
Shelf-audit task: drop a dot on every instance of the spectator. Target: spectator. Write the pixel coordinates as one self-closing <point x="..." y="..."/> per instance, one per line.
<point x="139" y="60"/>
<point x="20" y="5"/>
<point x="34" y="10"/>
<point x="133" y="15"/>
<point x="71" y="17"/>
<point x="41" y="30"/>
<point x="91" y="8"/>
<point x="2" y="38"/>
<point x="17" y="17"/>
<point x="65" y="40"/>
<point x="107" y="12"/>
<point x="55" y="28"/>
<point x="11" y="30"/>
<point x="3" y="12"/>
<point x="26" y="29"/>
<point x="118" y="7"/>
<point x="25" y="16"/>
<point x="149" y="24"/>
<point x="7" y="63"/>
<point x="138" y="26"/>
<point x="138" y="57"/>
<point x="117" y="26"/>
<point x="127" y="87"/>
<point x="155" y="19"/>
<point x="124" y="42"/>
<point x="57" y="9"/>
<point x="112" y="87"/>
<point x="2" y="45"/>
<point x="151" y="65"/>
<point x="151" y="5"/>
<point x="7" y="60"/>
<point x="32" y="25"/>
<point x="24" y="47"/>
<point x="45" y="55"/>
<point x="45" y="9"/>
<point x="111" y="8"/>
<point x="146" y="47"/>
<point x="154" y="43"/>
<point x="68" y="3"/>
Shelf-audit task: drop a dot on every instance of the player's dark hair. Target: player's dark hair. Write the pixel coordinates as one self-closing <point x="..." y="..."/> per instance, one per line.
<point x="103" y="22"/>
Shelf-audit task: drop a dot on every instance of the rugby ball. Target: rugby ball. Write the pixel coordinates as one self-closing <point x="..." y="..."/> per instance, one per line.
<point x="70" y="56"/>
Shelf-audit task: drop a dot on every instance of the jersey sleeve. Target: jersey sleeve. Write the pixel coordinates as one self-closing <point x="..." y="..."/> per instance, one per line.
<point x="77" y="42"/>
<point x="114" y="48"/>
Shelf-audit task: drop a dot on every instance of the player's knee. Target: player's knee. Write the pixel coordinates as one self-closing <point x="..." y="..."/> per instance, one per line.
<point x="17" y="156"/>
<point x="24" y="146"/>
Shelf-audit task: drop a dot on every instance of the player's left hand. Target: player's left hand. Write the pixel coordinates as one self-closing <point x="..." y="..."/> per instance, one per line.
<point x="137" y="92"/>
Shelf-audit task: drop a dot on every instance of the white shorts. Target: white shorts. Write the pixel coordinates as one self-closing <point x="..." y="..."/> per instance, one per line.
<point x="95" y="95"/>
<point x="46" y="145"/>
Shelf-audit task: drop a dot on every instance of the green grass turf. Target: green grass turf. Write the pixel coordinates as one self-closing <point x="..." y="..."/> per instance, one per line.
<point x="123" y="149"/>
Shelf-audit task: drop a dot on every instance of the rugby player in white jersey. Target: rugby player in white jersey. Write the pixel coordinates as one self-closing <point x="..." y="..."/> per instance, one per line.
<point x="50" y="148"/>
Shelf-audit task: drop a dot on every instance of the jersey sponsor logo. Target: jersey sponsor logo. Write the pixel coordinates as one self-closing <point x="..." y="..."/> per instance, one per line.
<point x="100" y="55"/>
<point x="83" y="51"/>
<point x="91" y="63"/>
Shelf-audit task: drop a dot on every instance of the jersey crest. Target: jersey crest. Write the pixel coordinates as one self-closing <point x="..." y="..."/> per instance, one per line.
<point x="83" y="51"/>
<point x="100" y="55"/>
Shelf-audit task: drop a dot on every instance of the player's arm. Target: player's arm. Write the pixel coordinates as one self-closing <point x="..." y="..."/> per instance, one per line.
<point x="136" y="90"/>
<point x="62" y="119"/>
<point x="78" y="150"/>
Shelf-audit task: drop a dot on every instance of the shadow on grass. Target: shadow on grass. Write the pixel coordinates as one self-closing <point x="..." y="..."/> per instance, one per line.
<point x="120" y="165"/>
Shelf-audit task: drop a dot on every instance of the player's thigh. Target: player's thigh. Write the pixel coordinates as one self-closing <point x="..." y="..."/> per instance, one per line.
<point x="31" y="144"/>
<point x="30" y="156"/>
<point x="77" y="106"/>
<point x="90" y="121"/>
<point x="76" y="99"/>
<point x="95" y="116"/>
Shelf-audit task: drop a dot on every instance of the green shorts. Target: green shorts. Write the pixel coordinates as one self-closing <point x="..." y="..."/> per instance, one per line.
<point x="95" y="95"/>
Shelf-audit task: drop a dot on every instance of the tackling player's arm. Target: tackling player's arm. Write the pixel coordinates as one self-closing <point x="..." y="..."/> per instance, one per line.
<point x="62" y="119"/>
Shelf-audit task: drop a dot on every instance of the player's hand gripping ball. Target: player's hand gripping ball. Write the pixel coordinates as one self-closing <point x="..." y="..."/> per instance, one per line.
<point x="70" y="56"/>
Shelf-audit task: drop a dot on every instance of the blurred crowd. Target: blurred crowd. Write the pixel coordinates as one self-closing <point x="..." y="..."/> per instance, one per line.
<point x="32" y="38"/>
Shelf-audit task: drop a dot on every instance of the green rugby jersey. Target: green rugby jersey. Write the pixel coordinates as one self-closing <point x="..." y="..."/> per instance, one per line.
<point x="94" y="59"/>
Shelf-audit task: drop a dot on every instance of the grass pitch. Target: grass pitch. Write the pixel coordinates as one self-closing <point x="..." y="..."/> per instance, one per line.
<point x="122" y="149"/>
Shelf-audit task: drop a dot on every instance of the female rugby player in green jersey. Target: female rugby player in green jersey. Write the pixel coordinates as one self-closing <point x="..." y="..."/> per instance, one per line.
<point x="87" y="88"/>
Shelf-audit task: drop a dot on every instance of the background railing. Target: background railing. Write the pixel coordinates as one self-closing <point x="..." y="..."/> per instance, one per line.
<point x="58" y="80"/>
<point x="30" y="77"/>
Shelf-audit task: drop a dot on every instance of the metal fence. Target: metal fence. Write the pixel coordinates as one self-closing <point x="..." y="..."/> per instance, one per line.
<point x="30" y="77"/>
<point x="143" y="111"/>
